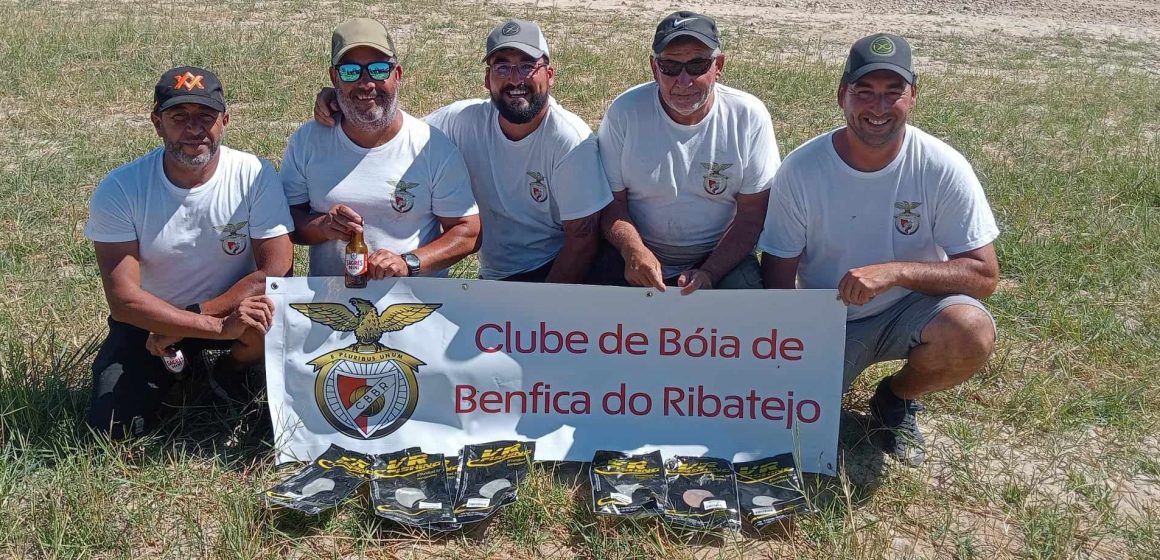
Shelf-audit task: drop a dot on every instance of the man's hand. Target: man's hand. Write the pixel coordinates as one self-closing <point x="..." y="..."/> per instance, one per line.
<point x="159" y="344"/>
<point x="256" y="312"/>
<point x="641" y="268"/>
<point x="341" y="223"/>
<point x="326" y="110"/>
<point x="694" y="279"/>
<point x="385" y="264"/>
<point x="860" y="285"/>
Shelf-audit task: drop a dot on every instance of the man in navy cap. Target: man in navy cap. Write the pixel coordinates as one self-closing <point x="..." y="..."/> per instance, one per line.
<point x="898" y="223"/>
<point x="690" y="162"/>
<point x="185" y="237"/>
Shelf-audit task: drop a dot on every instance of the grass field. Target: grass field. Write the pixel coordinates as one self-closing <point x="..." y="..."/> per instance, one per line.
<point x="1051" y="452"/>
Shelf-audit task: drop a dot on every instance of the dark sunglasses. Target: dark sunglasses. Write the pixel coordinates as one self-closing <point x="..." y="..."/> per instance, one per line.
<point x="351" y="72"/>
<point x="694" y="67"/>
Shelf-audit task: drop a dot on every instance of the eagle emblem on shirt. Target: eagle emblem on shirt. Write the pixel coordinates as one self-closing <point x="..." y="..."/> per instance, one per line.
<point x="234" y="241"/>
<point x="715" y="181"/>
<point x="404" y="199"/>
<point x="538" y="188"/>
<point x="906" y="222"/>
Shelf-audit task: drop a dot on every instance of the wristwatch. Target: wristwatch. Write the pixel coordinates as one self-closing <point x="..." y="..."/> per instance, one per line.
<point x="413" y="264"/>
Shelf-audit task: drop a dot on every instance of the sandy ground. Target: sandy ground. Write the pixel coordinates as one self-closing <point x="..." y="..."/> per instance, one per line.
<point x="1130" y="20"/>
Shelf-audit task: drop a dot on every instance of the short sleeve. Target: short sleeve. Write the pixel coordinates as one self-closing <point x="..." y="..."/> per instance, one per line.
<point x="785" y="220"/>
<point x="451" y="187"/>
<point x="962" y="217"/>
<point x="110" y="214"/>
<point x="269" y="213"/>
<point x="763" y="159"/>
<point x="578" y="183"/>
<point x="610" y="139"/>
<point x="292" y="174"/>
<point x="441" y="119"/>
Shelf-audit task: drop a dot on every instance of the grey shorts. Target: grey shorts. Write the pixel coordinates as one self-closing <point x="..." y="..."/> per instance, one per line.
<point x="891" y="334"/>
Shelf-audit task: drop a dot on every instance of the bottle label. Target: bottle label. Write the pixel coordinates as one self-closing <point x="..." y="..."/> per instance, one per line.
<point x="356" y="264"/>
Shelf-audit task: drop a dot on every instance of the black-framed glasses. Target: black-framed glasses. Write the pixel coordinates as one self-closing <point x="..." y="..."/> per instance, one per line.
<point x="351" y="72"/>
<point x="505" y="70"/>
<point x="694" y="67"/>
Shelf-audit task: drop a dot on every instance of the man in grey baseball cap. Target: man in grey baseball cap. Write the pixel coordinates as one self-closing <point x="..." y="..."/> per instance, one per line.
<point x="534" y="166"/>
<point x="687" y="205"/>
<point x="898" y="223"/>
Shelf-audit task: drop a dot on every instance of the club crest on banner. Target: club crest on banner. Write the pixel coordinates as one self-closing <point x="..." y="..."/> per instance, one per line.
<point x="234" y="241"/>
<point x="366" y="390"/>
<point x="404" y="199"/>
<point x="907" y="222"/>
<point x="538" y="188"/>
<point x="715" y="181"/>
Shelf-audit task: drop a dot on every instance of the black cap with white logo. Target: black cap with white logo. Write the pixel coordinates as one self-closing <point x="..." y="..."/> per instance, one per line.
<point x="189" y="84"/>
<point x="517" y="34"/>
<point x="880" y="51"/>
<point x="686" y="24"/>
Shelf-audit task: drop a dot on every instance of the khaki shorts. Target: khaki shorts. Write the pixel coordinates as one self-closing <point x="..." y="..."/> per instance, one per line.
<point x="891" y="334"/>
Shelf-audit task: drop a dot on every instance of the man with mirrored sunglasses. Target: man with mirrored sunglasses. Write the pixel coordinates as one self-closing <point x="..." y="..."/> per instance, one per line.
<point x="534" y="165"/>
<point x="690" y="162"/>
<point x="384" y="173"/>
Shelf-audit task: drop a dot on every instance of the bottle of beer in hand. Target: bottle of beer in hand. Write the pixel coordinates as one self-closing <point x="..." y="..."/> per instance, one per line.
<point x="356" y="261"/>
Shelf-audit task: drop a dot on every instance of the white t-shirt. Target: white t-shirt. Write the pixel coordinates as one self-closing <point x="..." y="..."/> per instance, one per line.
<point x="923" y="206"/>
<point x="194" y="244"/>
<point x="525" y="189"/>
<point x="400" y="189"/>
<point x="683" y="180"/>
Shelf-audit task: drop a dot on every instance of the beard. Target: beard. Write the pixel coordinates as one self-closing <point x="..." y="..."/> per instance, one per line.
<point x="691" y="108"/>
<point x="174" y="150"/>
<point x="517" y="112"/>
<point x="374" y="118"/>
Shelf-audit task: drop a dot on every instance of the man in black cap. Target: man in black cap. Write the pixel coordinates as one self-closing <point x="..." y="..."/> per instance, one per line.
<point x="534" y="166"/>
<point x="690" y="162"/>
<point x="897" y="222"/>
<point x="185" y="237"/>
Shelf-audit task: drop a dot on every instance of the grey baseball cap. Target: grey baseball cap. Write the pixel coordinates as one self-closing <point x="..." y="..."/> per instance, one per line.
<point x="880" y="51"/>
<point x="686" y="24"/>
<point x="360" y="32"/>
<point x="517" y="34"/>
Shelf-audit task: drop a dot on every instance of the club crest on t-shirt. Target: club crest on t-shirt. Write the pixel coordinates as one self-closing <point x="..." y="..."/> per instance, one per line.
<point x="404" y="199"/>
<point x="906" y="222"/>
<point x="234" y="241"/>
<point x="538" y="188"/>
<point x="715" y="181"/>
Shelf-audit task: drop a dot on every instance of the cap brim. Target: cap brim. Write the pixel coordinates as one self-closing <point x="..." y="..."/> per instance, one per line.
<point x="334" y="58"/>
<point x="707" y="40"/>
<point x="868" y="68"/>
<point x="198" y="99"/>
<point x="522" y="47"/>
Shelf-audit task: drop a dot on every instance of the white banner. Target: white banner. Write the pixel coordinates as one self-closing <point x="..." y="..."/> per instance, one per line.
<point x="441" y="363"/>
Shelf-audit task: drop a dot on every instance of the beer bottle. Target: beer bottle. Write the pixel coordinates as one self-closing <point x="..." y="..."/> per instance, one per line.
<point x="356" y="261"/>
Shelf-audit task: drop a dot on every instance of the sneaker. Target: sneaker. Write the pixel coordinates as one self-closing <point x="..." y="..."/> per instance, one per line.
<point x="900" y="437"/>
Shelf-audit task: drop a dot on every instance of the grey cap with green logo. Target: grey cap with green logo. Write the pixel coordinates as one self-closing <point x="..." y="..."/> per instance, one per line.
<point x="360" y="32"/>
<point x="880" y="51"/>
<point x="517" y="34"/>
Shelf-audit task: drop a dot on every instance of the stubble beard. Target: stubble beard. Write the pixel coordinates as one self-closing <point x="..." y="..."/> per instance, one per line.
<point x="175" y="151"/>
<point x="378" y="117"/>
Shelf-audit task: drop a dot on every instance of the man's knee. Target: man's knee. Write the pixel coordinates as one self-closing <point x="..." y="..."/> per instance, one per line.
<point x="963" y="332"/>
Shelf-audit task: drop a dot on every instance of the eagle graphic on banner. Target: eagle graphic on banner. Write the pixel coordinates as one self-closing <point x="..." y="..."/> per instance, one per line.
<point x="366" y="390"/>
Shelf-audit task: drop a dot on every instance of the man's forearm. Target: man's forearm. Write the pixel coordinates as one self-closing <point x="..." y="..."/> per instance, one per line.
<point x="447" y="249"/>
<point x="737" y="243"/>
<point x="143" y="310"/>
<point x="957" y="276"/>
<point x="253" y="284"/>
<point x="618" y="228"/>
<point x="307" y="226"/>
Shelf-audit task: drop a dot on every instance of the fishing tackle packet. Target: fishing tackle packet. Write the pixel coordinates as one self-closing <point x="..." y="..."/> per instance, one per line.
<point x="410" y="487"/>
<point x="488" y="476"/>
<point x="769" y="490"/>
<point x="323" y="483"/>
<point x="702" y="493"/>
<point x="627" y="485"/>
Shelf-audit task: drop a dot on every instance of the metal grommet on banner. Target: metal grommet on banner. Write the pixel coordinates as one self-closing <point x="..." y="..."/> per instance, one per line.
<point x="648" y="293"/>
<point x="464" y="286"/>
<point x="273" y="285"/>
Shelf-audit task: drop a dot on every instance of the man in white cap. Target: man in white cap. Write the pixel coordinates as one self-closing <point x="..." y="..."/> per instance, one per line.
<point x="399" y="181"/>
<point x="690" y="162"/>
<point x="897" y="222"/>
<point x="534" y="165"/>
